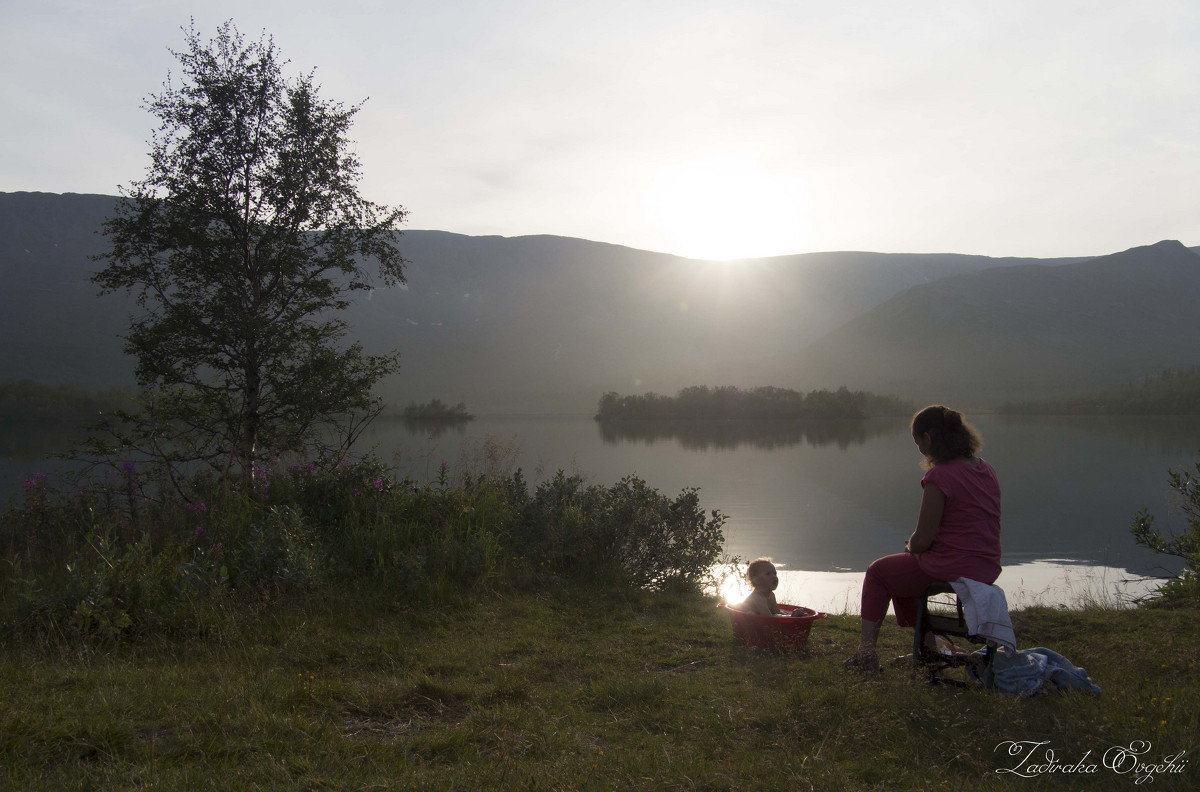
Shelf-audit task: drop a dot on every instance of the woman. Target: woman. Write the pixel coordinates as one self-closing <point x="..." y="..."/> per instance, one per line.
<point x="957" y="534"/>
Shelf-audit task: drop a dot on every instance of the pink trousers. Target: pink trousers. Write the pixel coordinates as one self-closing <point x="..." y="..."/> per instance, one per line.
<point x="898" y="579"/>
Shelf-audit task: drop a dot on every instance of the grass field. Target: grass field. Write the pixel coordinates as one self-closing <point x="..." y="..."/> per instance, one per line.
<point x="567" y="689"/>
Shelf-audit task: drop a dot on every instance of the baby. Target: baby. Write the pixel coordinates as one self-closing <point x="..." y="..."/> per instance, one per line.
<point x="762" y="575"/>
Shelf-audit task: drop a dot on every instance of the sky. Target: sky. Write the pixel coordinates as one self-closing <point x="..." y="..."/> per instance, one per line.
<point x="722" y="130"/>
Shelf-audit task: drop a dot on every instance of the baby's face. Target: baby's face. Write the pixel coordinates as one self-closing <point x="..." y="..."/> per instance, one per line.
<point x="767" y="579"/>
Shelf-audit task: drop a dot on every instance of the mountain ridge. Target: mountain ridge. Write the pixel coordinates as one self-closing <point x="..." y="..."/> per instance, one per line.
<point x="1042" y="331"/>
<point x="547" y="323"/>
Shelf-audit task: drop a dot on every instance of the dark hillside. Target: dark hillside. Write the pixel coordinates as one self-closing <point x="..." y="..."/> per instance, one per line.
<point x="544" y="323"/>
<point x="1026" y="332"/>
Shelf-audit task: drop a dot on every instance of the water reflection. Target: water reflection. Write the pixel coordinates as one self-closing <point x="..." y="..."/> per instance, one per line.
<point x="33" y="441"/>
<point x="1051" y="583"/>
<point x="1174" y="435"/>
<point x="728" y="434"/>
<point x="429" y="428"/>
<point x="28" y="447"/>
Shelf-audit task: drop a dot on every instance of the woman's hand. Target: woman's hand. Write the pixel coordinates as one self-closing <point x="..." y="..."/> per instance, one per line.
<point x="933" y="503"/>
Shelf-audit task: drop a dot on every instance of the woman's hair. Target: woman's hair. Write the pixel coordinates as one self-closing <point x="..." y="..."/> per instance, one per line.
<point x="950" y="437"/>
<point x="756" y="566"/>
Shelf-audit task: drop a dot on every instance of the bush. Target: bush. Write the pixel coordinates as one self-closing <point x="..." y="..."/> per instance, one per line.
<point x="1186" y="545"/>
<point x="107" y="560"/>
<point x="629" y="532"/>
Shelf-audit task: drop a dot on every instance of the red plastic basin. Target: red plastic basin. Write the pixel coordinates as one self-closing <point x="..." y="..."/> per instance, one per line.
<point x="776" y="633"/>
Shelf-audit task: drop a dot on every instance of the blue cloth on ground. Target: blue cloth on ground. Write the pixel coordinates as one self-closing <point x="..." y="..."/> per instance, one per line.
<point x="1038" y="670"/>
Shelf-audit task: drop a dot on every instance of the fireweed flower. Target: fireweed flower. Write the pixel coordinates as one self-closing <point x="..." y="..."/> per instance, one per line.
<point x="36" y="481"/>
<point x="200" y="532"/>
<point x="377" y="483"/>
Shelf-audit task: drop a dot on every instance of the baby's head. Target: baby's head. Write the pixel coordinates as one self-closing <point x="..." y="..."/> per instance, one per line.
<point x="762" y="575"/>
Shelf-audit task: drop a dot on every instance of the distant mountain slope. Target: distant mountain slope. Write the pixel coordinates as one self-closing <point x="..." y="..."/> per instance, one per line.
<point x="525" y="323"/>
<point x="54" y="329"/>
<point x="540" y="320"/>
<point x="1171" y="393"/>
<point x="1025" y="332"/>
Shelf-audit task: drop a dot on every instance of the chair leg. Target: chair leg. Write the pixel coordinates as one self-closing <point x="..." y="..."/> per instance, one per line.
<point x="932" y="662"/>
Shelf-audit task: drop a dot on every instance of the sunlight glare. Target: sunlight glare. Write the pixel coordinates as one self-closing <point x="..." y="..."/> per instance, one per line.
<point x="726" y="207"/>
<point x="733" y="589"/>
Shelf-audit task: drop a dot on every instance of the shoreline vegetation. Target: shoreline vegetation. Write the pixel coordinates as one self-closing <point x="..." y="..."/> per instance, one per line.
<point x="126" y="553"/>
<point x="1174" y="392"/>
<point x="767" y="402"/>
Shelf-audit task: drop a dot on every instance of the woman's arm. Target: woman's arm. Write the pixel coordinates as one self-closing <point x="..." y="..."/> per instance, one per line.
<point x="933" y="503"/>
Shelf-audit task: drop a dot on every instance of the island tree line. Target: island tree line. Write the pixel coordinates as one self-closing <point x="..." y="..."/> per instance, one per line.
<point x="728" y="402"/>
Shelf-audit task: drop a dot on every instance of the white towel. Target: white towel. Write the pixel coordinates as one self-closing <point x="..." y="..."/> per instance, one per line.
<point x="986" y="611"/>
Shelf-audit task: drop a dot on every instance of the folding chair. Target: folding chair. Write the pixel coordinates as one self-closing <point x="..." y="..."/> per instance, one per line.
<point x="947" y="624"/>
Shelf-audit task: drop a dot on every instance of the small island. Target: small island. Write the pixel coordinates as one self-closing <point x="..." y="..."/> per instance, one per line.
<point x="435" y="411"/>
<point x="767" y="402"/>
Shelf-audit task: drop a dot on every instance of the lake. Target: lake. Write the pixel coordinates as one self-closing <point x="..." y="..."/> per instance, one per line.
<point x="825" y="499"/>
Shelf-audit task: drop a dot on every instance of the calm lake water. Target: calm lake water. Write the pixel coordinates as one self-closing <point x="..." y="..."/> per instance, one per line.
<point x="826" y="499"/>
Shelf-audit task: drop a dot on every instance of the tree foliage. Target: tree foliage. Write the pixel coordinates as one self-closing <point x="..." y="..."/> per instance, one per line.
<point x="1184" y="545"/>
<point x="728" y="402"/>
<point x="245" y="237"/>
<point x="437" y="410"/>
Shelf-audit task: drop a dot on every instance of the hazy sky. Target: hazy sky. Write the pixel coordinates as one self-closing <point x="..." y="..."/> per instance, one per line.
<point x="708" y="129"/>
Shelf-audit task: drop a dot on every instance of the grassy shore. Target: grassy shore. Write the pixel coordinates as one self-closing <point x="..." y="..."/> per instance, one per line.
<point x="572" y="689"/>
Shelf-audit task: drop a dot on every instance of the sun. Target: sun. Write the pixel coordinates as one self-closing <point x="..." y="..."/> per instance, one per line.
<point x="726" y="207"/>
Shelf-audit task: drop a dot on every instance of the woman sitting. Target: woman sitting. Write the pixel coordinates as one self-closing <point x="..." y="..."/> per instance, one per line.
<point x="957" y="534"/>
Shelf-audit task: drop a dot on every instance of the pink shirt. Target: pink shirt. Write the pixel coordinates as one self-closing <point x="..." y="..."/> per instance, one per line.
<point x="967" y="543"/>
